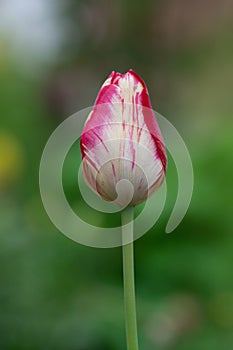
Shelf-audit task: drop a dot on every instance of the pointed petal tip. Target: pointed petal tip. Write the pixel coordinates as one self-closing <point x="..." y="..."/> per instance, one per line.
<point x="114" y="77"/>
<point x="138" y="78"/>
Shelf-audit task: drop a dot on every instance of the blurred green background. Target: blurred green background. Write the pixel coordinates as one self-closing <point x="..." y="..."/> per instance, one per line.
<point x="54" y="56"/>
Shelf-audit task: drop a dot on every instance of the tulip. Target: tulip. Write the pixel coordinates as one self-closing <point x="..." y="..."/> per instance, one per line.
<point x="121" y="140"/>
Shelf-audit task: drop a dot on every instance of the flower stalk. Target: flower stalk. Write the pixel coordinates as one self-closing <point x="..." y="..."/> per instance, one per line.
<point x="128" y="276"/>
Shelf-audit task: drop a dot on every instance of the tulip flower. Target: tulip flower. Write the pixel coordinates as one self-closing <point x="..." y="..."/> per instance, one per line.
<point x="121" y="140"/>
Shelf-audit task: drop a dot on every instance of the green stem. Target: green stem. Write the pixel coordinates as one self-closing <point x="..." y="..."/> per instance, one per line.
<point x="128" y="274"/>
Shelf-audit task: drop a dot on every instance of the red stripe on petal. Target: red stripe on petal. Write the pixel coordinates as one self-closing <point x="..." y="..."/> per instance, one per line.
<point x="113" y="170"/>
<point x="101" y="140"/>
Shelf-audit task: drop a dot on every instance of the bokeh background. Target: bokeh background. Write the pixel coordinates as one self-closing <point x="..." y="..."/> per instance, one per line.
<point x="54" y="56"/>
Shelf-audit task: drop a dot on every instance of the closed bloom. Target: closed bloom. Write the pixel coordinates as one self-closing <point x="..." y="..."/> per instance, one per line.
<point x="121" y="140"/>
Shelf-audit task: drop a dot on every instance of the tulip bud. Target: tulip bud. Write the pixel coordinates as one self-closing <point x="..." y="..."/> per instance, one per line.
<point x="121" y="141"/>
